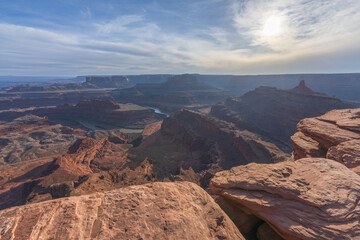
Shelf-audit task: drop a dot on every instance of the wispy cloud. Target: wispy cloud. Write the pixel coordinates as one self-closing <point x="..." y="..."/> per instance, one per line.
<point x="306" y="25"/>
<point x="312" y="34"/>
<point x="118" y="25"/>
<point x="86" y="12"/>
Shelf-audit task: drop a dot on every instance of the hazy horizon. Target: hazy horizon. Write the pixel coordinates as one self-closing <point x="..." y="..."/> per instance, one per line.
<point x="237" y="37"/>
<point x="55" y="77"/>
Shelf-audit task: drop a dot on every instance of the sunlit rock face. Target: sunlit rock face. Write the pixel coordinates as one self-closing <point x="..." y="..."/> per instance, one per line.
<point x="312" y="198"/>
<point x="152" y="211"/>
<point x="30" y="137"/>
<point x="87" y="167"/>
<point x="334" y="135"/>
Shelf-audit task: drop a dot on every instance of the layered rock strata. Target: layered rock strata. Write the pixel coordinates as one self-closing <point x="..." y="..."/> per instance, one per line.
<point x="334" y="135"/>
<point x="151" y="211"/>
<point x="312" y="198"/>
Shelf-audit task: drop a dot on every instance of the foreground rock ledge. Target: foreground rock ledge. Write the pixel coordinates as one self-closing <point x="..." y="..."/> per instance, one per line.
<point x="152" y="211"/>
<point x="306" y="199"/>
<point x="334" y="135"/>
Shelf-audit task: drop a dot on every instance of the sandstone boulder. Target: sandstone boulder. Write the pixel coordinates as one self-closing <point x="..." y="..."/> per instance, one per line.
<point x="345" y="118"/>
<point x="334" y="135"/>
<point x="347" y="153"/>
<point x="312" y="198"/>
<point x="151" y="211"/>
<point x="304" y="146"/>
<point x="326" y="133"/>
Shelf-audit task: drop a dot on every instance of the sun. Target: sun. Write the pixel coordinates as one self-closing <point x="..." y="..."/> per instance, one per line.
<point x="272" y="26"/>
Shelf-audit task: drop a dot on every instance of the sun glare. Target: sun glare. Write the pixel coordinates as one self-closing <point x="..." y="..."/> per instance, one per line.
<point x="272" y="26"/>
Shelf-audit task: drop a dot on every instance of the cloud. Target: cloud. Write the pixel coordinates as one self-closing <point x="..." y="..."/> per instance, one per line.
<point x="118" y="25"/>
<point x="86" y="12"/>
<point x="313" y="33"/>
<point x="36" y="51"/>
<point x="12" y="33"/>
<point x="306" y="25"/>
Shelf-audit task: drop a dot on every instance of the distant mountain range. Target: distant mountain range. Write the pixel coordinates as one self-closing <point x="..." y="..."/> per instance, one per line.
<point x="344" y="86"/>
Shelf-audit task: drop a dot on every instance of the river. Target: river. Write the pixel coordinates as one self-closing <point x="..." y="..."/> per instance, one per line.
<point x="157" y="110"/>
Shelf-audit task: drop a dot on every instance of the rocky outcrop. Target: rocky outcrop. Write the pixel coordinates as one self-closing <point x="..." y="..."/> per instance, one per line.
<point x="114" y="135"/>
<point x="151" y="211"/>
<point x="334" y="135"/>
<point x="197" y="145"/>
<point x="303" y="89"/>
<point x="31" y="137"/>
<point x="107" y="82"/>
<point x="274" y="113"/>
<point x="77" y="172"/>
<point x="312" y="198"/>
<point x="198" y="130"/>
<point x="347" y="153"/>
<point x="304" y="146"/>
<point x="151" y="129"/>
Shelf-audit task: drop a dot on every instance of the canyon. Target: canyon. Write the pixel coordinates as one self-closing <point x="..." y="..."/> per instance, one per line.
<point x="273" y="113"/>
<point x="271" y="164"/>
<point x="31" y="137"/>
<point x="166" y="92"/>
<point x="193" y="146"/>
<point x="94" y="114"/>
<point x="177" y="92"/>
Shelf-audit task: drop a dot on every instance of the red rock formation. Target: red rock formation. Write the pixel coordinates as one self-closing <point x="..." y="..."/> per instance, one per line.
<point x="273" y="113"/>
<point x="32" y="181"/>
<point x="303" y="89"/>
<point x="31" y="137"/>
<point x="312" y="198"/>
<point x="151" y="129"/>
<point x="304" y="146"/>
<point x="347" y="153"/>
<point x="151" y="211"/>
<point x="195" y="146"/>
<point x="334" y="135"/>
<point x="196" y="129"/>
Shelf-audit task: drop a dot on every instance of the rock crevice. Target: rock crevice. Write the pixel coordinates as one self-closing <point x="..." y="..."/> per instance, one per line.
<point x="315" y="199"/>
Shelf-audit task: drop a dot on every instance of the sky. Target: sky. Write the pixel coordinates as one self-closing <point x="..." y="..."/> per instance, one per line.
<point x="104" y="37"/>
